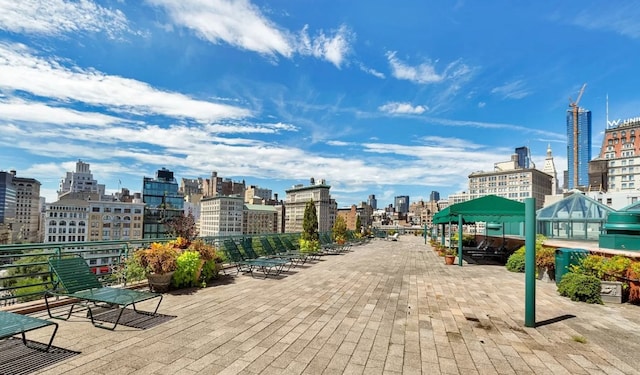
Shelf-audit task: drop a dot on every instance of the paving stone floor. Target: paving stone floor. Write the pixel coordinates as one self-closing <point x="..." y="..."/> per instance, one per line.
<point x="385" y="307"/>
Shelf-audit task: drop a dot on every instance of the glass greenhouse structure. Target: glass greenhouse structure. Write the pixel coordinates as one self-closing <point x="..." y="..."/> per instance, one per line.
<point x="576" y="217"/>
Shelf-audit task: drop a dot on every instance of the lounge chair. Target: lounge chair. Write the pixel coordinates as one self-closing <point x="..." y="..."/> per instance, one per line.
<point x="12" y="324"/>
<point x="291" y="247"/>
<point x="248" y="265"/>
<point x="247" y="247"/>
<point x="281" y="253"/>
<point x="73" y="278"/>
<point x="394" y="237"/>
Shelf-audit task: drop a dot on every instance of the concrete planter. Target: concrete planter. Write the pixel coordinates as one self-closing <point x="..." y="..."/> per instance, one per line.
<point x="611" y="292"/>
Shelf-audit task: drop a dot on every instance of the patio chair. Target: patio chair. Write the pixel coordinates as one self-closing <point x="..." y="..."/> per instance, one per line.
<point x="12" y="324"/>
<point x="248" y="265"/>
<point x="247" y="247"/>
<point x="290" y="246"/>
<point x="73" y="278"/>
<point x="281" y="253"/>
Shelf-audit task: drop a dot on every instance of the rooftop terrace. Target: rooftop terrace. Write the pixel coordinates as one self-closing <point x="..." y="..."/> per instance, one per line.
<point x="385" y="307"/>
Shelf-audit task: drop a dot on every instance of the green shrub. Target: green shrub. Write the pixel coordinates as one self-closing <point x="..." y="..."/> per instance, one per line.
<point x="209" y="271"/>
<point x="515" y="263"/>
<point x="309" y="246"/>
<point x="580" y="287"/>
<point x="188" y="266"/>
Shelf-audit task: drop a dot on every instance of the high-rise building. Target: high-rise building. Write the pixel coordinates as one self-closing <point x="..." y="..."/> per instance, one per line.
<point x="401" y="204"/>
<point x="7" y="207"/>
<point x="221" y="215"/>
<point x="622" y="154"/>
<point x="80" y="181"/>
<point x="550" y="169"/>
<point x="373" y="202"/>
<point x="515" y="184"/>
<point x="524" y="157"/>
<point x="578" y="146"/>
<point x="434" y="196"/>
<point x="162" y="202"/>
<point x="296" y="201"/>
<point x="259" y="219"/>
<point x="19" y="209"/>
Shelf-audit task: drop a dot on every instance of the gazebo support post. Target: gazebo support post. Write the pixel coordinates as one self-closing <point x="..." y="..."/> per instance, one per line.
<point x="460" y="240"/>
<point x="530" y="262"/>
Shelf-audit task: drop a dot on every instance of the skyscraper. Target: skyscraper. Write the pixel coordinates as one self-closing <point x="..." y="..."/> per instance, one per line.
<point x="524" y="159"/>
<point x="373" y="202"/>
<point x="578" y="146"/>
<point x="402" y="204"/>
<point x="162" y="202"/>
<point x="434" y="196"/>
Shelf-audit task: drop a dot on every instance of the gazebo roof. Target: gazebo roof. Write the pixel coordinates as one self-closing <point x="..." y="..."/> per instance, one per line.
<point x="576" y="206"/>
<point x="487" y="208"/>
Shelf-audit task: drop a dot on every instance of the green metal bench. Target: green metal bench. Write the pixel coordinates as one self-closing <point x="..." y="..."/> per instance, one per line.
<point x="12" y="324"/>
<point x="73" y="278"/>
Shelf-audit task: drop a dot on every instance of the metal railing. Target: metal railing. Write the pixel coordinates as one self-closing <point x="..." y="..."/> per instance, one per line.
<point x="25" y="275"/>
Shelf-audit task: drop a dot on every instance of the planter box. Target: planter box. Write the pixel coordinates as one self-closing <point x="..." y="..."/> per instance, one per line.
<point x="611" y="291"/>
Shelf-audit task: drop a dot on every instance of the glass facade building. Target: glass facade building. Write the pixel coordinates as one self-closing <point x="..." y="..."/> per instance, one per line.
<point x="578" y="147"/>
<point x="162" y="202"/>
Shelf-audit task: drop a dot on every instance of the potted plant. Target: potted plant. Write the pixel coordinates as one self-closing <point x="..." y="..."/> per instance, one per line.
<point x="546" y="263"/>
<point x="340" y="230"/>
<point x="449" y="256"/>
<point x="633" y="275"/>
<point x="160" y="262"/>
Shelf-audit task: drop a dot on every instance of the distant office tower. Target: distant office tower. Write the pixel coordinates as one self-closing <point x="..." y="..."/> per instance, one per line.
<point x="162" y="202"/>
<point x="402" y="204"/>
<point x="221" y="215"/>
<point x="373" y="202"/>
<point x="19" y="208"/>
<point x="296" y="201"/>
<point x="7" y="207"/>
<point x="524" y="157"/>
<point x="80" y="181"/>
<point x="434" y="196"/>
<point x="259" y="219"/>
<point x="578" y="146"/>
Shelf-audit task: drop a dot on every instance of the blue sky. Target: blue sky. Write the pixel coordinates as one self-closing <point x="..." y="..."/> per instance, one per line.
<point x="375" y="97"/>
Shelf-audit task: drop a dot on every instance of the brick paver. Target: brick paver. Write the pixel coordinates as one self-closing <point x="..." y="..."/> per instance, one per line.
<point x="385" y="307"/>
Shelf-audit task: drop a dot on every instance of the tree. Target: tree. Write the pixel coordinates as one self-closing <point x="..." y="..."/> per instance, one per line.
<point x="182" y="226"/>
<point x="358" y="224"/>
<point x="310" y="222"/>
<point x="339" y="229"/>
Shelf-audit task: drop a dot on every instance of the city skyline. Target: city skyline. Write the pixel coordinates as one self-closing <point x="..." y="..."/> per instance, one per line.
<point x="382" y="100"/>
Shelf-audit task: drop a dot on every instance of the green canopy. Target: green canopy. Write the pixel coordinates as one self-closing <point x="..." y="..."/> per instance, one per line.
<point x="487" y="208"/>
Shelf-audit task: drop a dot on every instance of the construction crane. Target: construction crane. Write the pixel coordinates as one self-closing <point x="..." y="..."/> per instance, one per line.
<point x="575" y="109"/>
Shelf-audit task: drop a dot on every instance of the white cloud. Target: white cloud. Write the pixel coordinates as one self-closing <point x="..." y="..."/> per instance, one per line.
<point x="241" y="24"/>
<point x="481" y="104"/>
<point x="426" y="73"/>
<point x="20" y="110"/>
<point x="333" y="48"/>
<point x="236" y="22"/>
<point x="423" y="73"/>
<point x="622" y="18"/>
<point x="56" y="17"/>
<point x="511" y="90"/>
<point x="402" y="108"/>
<point x="21" y="70"/>
<point x="371" y="71"/>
